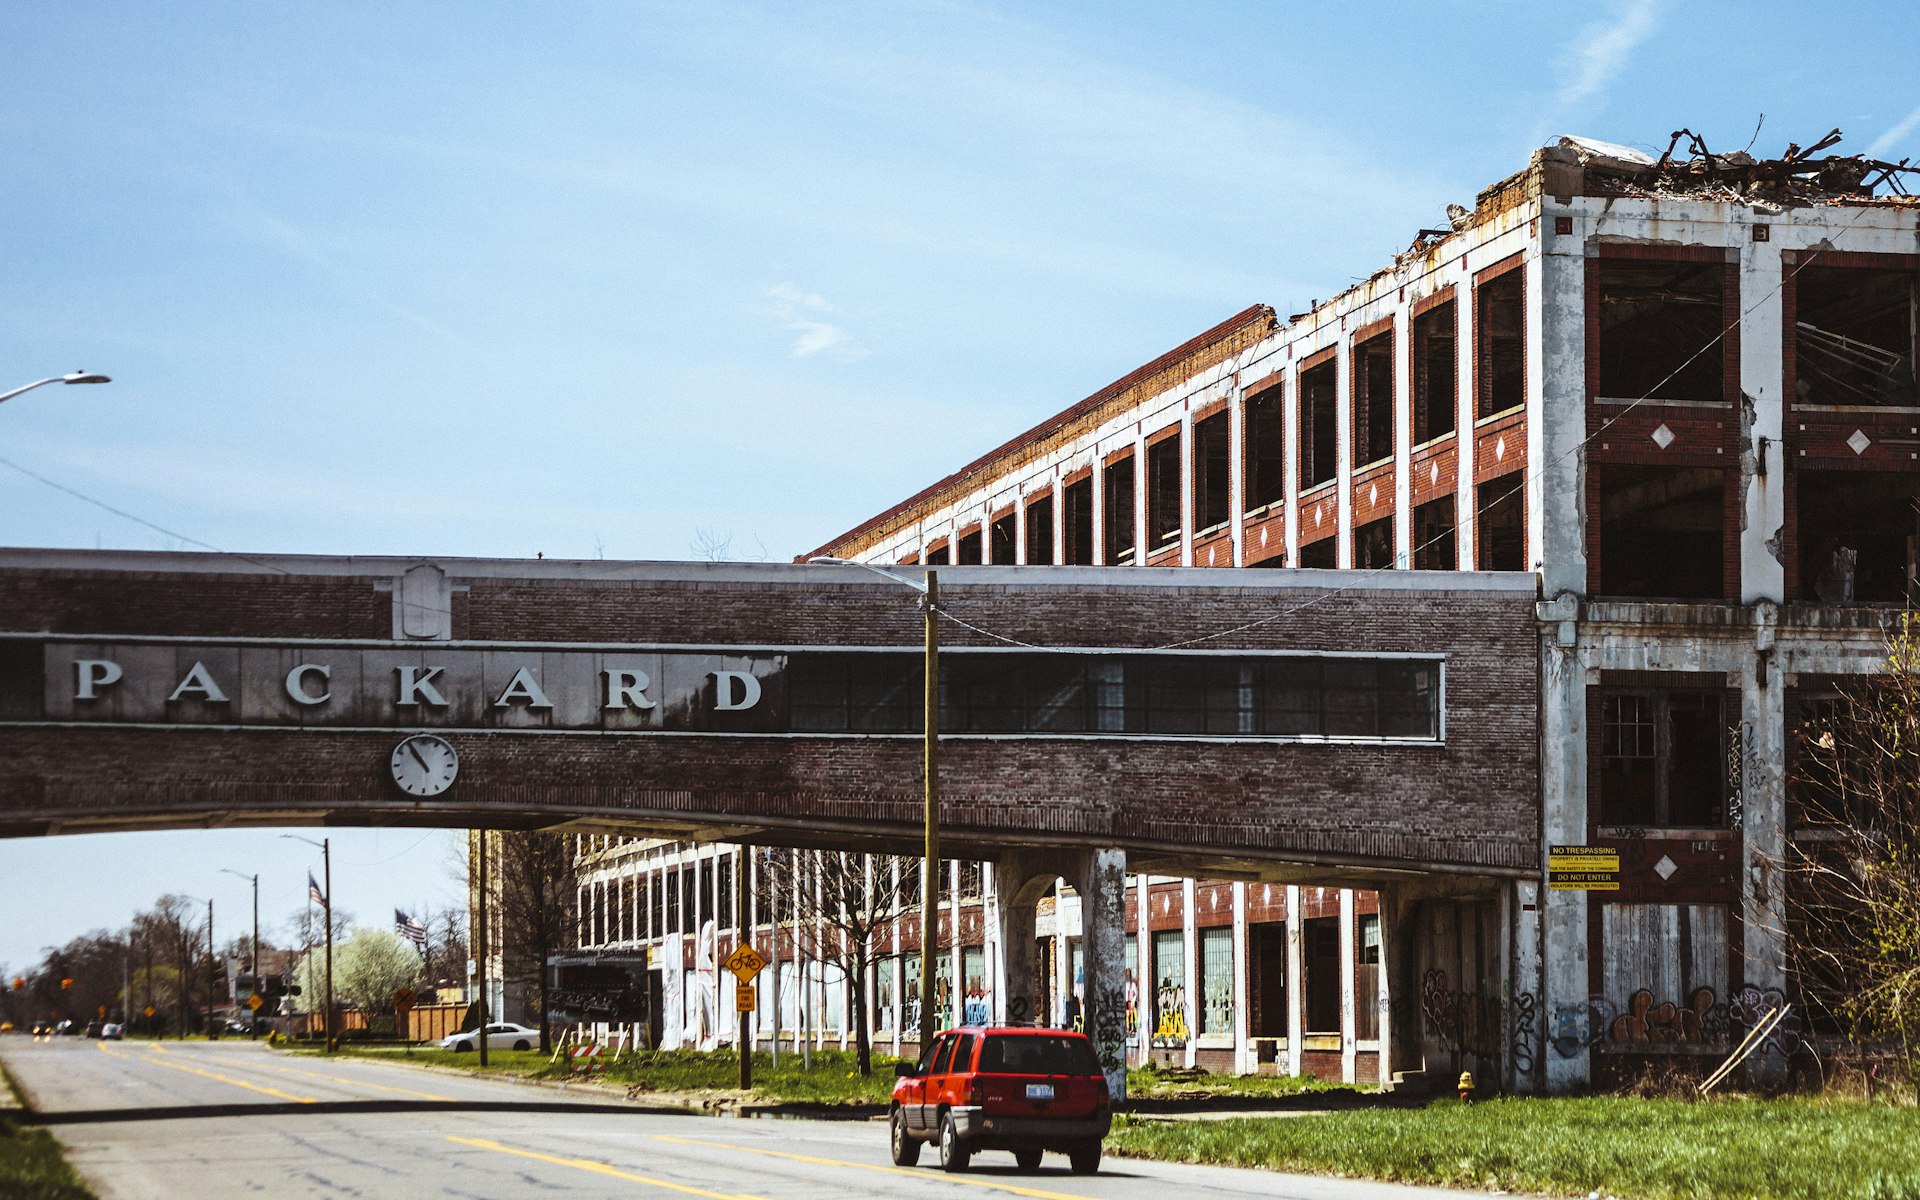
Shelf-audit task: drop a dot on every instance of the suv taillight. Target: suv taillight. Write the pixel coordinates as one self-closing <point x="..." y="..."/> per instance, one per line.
<point x="976" y="1092"/>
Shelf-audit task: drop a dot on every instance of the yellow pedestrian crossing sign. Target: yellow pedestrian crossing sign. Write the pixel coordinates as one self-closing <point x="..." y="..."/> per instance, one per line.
<point x="745" y="963"/>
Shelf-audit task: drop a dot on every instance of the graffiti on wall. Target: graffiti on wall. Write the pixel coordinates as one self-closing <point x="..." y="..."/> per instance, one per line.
<point x="1524" y="1036"/>
<point x="1463" y="1021"/>
<point x="1170" y="1014"/>
<point x="1110" y="1029"/>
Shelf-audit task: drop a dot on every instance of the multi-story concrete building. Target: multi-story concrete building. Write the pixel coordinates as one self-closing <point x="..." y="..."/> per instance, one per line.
<point x="1681" y="394"/>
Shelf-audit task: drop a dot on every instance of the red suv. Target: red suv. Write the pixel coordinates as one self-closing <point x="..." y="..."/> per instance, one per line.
<point x="1024" y="1090"/>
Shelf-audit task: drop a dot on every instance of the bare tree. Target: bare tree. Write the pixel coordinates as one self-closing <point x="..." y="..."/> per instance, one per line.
<point x="537" y="895"/>
<point x="838" y="902"/>
<point x="1855" y="862"/>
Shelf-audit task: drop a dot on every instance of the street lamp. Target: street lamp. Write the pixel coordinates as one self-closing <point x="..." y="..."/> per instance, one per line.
<point x="326" y="917"/>
<point x="930" y="888"/>
<point x="253" y="963"/>
<point x="69" y="377"/>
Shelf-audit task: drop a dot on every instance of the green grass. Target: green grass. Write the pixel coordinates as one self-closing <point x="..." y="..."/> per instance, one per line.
<point x="1647" y="1149"/>
<point x="1153" y="1083"/>
<point x="32" y="1168"/>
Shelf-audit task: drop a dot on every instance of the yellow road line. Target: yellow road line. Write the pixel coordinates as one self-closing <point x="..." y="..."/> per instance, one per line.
<point x="378" y="1087"/>
<point x="215" y="1075"/>
<point x="598" y="1168"/>
<point x="996" y="1185"/>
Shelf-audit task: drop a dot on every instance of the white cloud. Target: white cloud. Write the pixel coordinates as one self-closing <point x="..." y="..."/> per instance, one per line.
<point x="1892" y="138"/>
<point x="799" y="312"/>
<point x="1603" y="48"/>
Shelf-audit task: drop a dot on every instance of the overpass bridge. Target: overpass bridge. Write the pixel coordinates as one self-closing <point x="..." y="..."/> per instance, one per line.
<point x="1375" y="731"/>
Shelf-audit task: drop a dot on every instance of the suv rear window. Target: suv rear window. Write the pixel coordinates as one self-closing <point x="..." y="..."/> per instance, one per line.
<point x="1038" y="1054"/>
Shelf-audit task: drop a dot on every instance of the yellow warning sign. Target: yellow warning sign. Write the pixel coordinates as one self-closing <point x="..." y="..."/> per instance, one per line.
<point x="1583" y="869"/>
<point x="254" y="1002"/>
<point x="745" y="963"/>
<point x="744" y="998"/>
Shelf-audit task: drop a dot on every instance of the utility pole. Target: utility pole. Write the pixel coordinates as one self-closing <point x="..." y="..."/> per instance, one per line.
<point x="480" y="957"/>
<point x="930" y="893"/>
<point x="211" y="964"/>
<point x="745" y="1044"/>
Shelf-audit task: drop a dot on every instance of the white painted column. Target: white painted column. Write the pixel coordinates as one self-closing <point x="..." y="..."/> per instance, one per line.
<point x="899" y="959"/>
<point x="1290" y="438"/>
<point x="956" y="992"/>
<point x="1190" y="968"/>
<point x="1237" y="472"/>
<point x="1064" y="930"/>
<point x="1383" y="995"/>
<point x="1465" y="406"/>
<point x="1243" y="1057"/>
<point x="1141" y="485"/>
<point x="1762" y="380"/>
<point x="994" y="961"/>
<point x="1143" y="956"/>
<point x="1403" y="439"/>
<point x="1349" y="1018"/>
<point x="1098" y="482"/>
<point x="1343" y="447"/>
<point x="1296" y="984"/>
<point x="1186" y="488"/>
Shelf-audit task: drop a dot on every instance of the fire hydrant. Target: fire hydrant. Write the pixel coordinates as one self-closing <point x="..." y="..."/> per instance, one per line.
<point x="1466" y="1085"/>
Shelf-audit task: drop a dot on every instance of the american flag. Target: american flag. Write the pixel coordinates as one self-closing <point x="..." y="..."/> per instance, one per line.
<point x="411" y="929"/>
<point x="313" y="890"/>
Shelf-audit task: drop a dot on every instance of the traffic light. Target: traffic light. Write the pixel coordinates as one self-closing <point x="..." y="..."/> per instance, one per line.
<point x="19" y="982"/>
<point x="66" y="985"/>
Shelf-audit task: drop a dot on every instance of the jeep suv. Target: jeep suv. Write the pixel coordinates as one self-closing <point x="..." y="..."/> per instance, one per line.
<point x="1023" y="1090"/>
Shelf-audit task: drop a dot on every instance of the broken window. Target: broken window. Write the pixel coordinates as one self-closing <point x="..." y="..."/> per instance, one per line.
<point x="1434" y="544"/>
<point x="1373" y="545"/>
<point x="1212" y="469"/>
<point x="1660" y="328"/>
<point x="1002" y="541"/>
<point x="1323" y="554"/>
<point x="937" y="555"/>
<point x="1857" y="533"/>
<point x="1663" y="758"/>
<point x="1040" y="531"/>
<point x="1317" y="432"/>
<point x="1435" y="373"/>
<point x="1854" y="336"/>
<point x="1118" y="479"/>
<point x="1661" y="532"/>
<point x="1500" y="343"/>
<point x="1078" y="524"/>
<point x="1373" y="400"/>
<point x="1500" y="530"/>
<point x="1163" y="494"/>
<point x="1266" y="449"/>
<point x="969" y="552"/>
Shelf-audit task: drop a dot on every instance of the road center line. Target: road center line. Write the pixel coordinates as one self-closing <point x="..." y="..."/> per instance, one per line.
<point x="598" y="1168"/>
<point x="1037" y="1193"/>
<point x="340" y="1079"/>
<point x="215" y="1075"/>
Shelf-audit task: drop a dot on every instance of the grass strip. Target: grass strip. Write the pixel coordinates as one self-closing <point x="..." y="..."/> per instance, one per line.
<point x="32" y="1167"/>
<point x="1792" y="1149"/>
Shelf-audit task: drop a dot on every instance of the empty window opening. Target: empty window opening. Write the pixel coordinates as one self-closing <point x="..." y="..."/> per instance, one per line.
<point x="1266" y="449"/>
<point x="1854" y="336"/>
<point x="968" y="554"/>
<point x="1040" y="531"/>
<point x="1500" y="525"/>
<point x="1435" y="372"/>
<point x="911" y="560"/>
<point x="1118" y="480"/>
<point x="1322" y="554"/>
<point x="1373" y="400"/>
<point x="1500" y="343"/>
<point x="1078" y="527"/>
<point x="1276" y="560"/>
<point x="937" y="556"/>
<point x="1660" y="328"/>
<point x="1435" y="547"/>
<point x="1663" y="758"/>
<point x="1317" y="432"/>
<point x="1003" y="541"/>
<point x="1661" y="532"/>
<point x="1163" y="494"/>
<point x="1322" y="971"/>
<point x="1212" y="472"/>
<point x="1857" y="536"/>
<point x="1373" y="545"/>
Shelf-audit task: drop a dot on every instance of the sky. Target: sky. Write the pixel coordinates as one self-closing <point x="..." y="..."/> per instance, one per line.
<point x="647" y="281"/>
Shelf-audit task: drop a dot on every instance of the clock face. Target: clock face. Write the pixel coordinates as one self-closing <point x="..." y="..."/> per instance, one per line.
<point x="424" y="765"/>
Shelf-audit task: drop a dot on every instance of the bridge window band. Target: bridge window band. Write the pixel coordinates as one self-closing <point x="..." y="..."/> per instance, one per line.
<point x="1138" y="694"/>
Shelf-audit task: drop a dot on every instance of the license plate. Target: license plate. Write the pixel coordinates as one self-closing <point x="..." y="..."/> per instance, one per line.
<point x="1039" y="1091"/>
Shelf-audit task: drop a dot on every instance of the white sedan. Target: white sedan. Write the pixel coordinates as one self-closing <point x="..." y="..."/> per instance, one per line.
<point x="503" y="1036"/>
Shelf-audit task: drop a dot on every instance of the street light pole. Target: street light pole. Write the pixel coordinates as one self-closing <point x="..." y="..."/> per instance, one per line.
<point x="326" y="917"/>
<point x="69" y="377"/>
<point x="253" y="965"/>
<point x="211" y="963"/>
<point x="930" y="778"/>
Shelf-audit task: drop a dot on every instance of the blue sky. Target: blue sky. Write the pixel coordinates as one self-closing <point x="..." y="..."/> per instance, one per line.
<point x="588" y="279"/>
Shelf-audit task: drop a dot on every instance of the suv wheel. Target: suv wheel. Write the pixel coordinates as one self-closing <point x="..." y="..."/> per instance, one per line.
<point x="1085" y="1158"/>
<point x="1027" y="1160"/>
<point x="954" y="1154"/>
<point x="906" y="1150"/>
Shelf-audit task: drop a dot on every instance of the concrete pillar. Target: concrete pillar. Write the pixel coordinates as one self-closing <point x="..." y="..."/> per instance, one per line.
<point x="1102" y="884"/>
<point x="1243" y="1058"/>
<point x="1237" y="473"/>
<point x="1563" y="915"/>
<point x="1190" y="971"/>
<point x="1349" y="1018"/>
<point x="1143" y="972"/>
<point x="993" y="953"/>
<point x="1343" y="449"/>
<point x="1022" y="877"/>
<point x="1762" y="823"/>
<point x="1296" y="984"/>
<point x="1383" y="996"/>
<point x="956" y="962"/>
<point x="1403" y="438"/>
<point x="1762" y="464"/>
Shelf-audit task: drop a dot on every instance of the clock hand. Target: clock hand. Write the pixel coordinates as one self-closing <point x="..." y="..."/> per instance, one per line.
<point x="415" y="751"/>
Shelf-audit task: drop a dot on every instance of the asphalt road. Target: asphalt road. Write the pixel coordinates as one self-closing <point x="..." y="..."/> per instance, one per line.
<point x="201" y="1121"/>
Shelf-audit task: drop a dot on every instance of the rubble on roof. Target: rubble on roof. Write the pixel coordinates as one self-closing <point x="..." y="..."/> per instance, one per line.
<point x="1800" y="176"/>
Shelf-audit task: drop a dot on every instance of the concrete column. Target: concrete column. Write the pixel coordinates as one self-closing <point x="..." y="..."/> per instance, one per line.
<point x="1557" y="424"/>
<point x="1563" y="923"/>
<point x="1143" y="971"/>
<point x="1343" y="449"/>
<point x="1762" y="473"/>
<point x="1403" y="439"/>
<point x="993" y="953"/>
<point x="1139" y="499"/>
<point x="1243" y="1057"/>
<point x="1186" y="488"/>
<point x="900" y="869"/>
<point x="1290" y="438"/>
<point x="1383" y="997"/>
<point x="1349" y="1019"/>
<point x="1098" y="482"/>
<point x="1763" y="827"/>
<point x="956" y="963"/>
<point x="1190" y="970"/>
<point x="1296" y="984"/>
<point x="1465" y="407"/>
<point x="1021" y="880"/>
<point x="1237" y="473"/>
<point x="1102" y="885"/>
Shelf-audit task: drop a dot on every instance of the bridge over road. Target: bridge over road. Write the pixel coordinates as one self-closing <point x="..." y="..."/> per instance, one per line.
<point x="1368" y="729"/>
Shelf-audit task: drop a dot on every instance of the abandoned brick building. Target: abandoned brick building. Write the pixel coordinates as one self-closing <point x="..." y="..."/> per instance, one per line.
<point x="1680" y="393"/>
